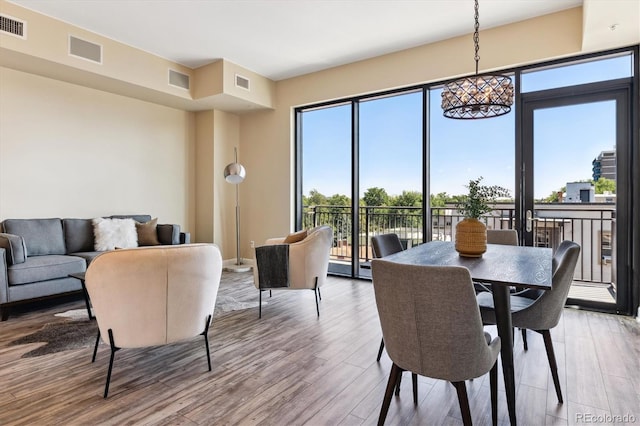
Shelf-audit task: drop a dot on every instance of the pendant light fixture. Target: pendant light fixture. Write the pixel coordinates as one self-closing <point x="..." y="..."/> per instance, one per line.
<point x="480" y="96"/>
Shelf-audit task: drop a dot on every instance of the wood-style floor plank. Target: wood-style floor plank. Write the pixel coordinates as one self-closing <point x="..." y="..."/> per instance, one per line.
<point x="293" y="368"/>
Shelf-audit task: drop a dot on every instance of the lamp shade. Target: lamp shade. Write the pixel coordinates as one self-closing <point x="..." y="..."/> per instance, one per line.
<point x="234" y="173"/>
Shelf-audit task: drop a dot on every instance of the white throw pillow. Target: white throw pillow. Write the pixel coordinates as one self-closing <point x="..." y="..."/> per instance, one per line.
<point x="112" y="233"/>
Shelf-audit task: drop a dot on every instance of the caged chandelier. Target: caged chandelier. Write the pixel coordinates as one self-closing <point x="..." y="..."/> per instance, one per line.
<point x="480" y="96"/>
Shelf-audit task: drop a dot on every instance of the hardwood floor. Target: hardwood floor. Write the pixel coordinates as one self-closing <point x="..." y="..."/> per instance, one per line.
<point x="291" y="368"/>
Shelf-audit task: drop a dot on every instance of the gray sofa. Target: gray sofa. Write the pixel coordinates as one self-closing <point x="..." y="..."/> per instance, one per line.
<point x="37" y="255"/>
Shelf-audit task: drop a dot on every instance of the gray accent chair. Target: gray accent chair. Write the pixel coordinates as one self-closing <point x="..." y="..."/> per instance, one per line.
<point x="543" y="313"/>
<point x="383" y="245"/>
<point x="432" y="327"/>
<point x="151" y="296"/>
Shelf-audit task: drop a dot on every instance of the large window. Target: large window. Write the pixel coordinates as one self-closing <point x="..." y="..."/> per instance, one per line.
<point x="387" y="133"/>
<point x="326" y="176"/>
<point x="392" y="163"/>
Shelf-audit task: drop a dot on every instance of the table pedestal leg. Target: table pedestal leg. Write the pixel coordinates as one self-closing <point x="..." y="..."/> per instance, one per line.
<point x="502" y="306"/>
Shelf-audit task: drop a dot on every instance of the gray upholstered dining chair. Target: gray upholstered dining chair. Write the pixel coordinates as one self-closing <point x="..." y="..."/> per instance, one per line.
<point x="502" y="236"/>
<point x="543" y="313"/>
<point x="432" y="327"/>
<point x="384" y="245"/>
<point x="498" y="236"/>
<point x="509" y="237"/>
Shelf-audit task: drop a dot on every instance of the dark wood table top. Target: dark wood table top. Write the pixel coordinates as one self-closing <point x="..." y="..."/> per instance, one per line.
<point x="501" y="264"/>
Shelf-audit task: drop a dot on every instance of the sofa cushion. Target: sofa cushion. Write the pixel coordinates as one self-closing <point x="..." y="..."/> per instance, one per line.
<point x="87" y="255"/>
<point x="78" y="235"/>
<point x="112" y="233"/>
<point x="142" y="218"/>
<point x="169" y="234"/>
<point x="148" y="233"/>
<point x="42" y="268"/>
<point x="15" y="248"/>
<point x="41" y="236"/>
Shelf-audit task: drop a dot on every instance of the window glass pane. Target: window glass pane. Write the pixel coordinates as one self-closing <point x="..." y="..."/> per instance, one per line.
<point x="462" y="150"/>
<point x="582" y="73"/>
<point x="326" y="178"/>
<point x="569" y="142"/>
<point x="326" y="151"/>
<point x="391" y="144"/>
<point x="391" y="168"/>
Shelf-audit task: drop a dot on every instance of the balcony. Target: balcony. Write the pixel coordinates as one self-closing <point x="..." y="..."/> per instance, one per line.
<point x="592" y="226"/>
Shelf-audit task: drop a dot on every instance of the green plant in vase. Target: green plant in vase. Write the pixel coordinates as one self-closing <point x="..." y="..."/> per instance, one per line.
<point x="471" y="233"/>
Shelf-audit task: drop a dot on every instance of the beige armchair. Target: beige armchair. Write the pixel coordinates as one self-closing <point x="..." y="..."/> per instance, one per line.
<point x="294" y="266"/>
<point x="153" y="295"/>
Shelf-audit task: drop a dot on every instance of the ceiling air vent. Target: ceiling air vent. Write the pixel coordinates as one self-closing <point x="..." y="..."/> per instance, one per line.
<point x="85" y="49"/>
<point x="242" y="82"/>
<point x="178" y="79"/>
<point x="13" y="26"/>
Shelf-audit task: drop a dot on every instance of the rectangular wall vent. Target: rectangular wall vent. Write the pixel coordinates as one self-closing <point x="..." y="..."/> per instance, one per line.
<point x="85" y="49"/>
<point x="13" y="26"/>
<point x="242" y="82"/>
<point x="178" y="79"/>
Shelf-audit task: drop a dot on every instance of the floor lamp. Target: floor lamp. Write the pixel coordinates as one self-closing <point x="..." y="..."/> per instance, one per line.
<point x="234" y="173"/>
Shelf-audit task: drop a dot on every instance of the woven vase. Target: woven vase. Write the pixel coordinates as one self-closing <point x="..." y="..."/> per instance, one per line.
<point x="471" y="238"/>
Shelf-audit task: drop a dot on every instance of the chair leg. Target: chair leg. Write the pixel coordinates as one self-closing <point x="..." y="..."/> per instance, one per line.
<point x="399" y="382"/>
<point x="114" y="348"/>
<point x="380" y="350"/>
<point x="319" y="295"/>
<point x="95" y="348"/>
<point x="548" y="344"/>
<point x="524" y="338"/>
<point x="206" y="339"/>
<point x="391" y="384"/>
<point x="315" y="293"/>
<point x="260" y="303"/>
<point x="463" y="400"/>
<point x="414" y="380"/>
<point x="493" y="383"/>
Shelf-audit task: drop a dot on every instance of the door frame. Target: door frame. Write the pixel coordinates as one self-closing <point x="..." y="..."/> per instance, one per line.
<point x="620" y="91"/>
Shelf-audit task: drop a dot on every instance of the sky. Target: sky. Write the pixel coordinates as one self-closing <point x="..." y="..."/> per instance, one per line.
<point x="566" y="140"/>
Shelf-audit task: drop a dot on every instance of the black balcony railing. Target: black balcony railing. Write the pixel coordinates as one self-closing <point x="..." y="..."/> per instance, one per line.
<point x="591" y="226"/>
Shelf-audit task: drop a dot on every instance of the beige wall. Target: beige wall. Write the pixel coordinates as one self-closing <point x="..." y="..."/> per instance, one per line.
<point x="120" y="155"/>
<point x="217" y="133"/>
<point x="204" y="228"/>
<point x="71" y="151"/>
<point x="267" y="136"/>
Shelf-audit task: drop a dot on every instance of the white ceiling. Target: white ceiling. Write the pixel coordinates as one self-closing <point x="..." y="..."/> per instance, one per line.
<point x="285" y="38"/>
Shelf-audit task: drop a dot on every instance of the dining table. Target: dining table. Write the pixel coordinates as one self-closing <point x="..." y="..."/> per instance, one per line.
<point x="500" y="267"/>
